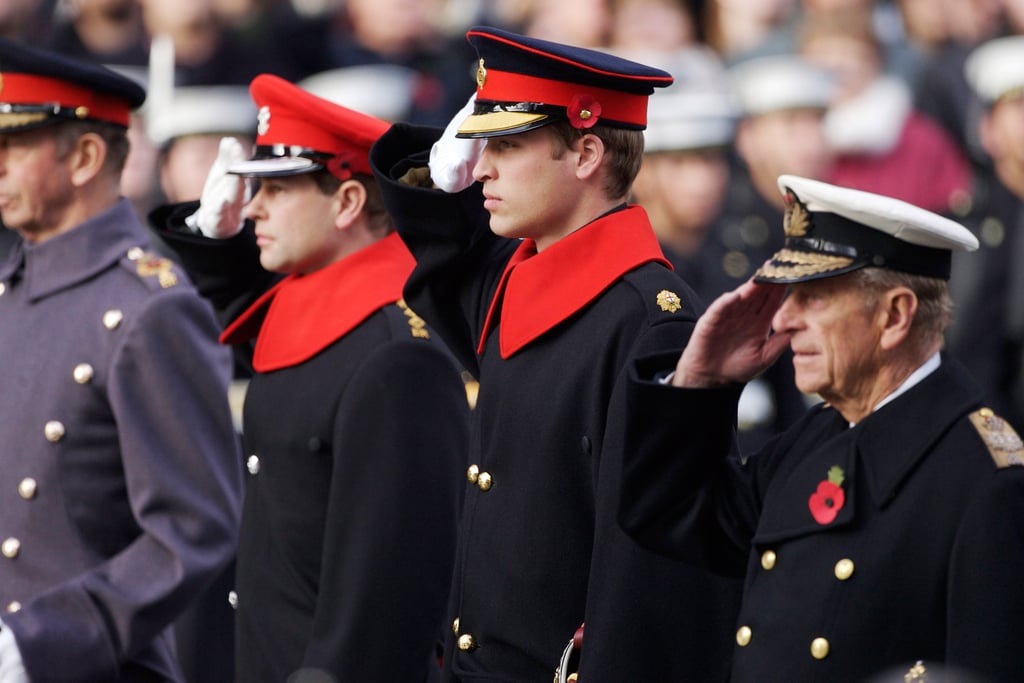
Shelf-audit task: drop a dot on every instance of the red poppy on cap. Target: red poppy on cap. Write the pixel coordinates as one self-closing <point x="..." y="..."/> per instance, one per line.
<point x="298" y="132"/>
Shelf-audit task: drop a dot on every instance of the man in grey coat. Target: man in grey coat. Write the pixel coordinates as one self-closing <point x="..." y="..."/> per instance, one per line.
<point x="120" y="476"/>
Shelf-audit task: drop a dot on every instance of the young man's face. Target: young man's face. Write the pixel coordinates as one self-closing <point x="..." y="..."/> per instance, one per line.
<point x="295" y="228"/>
<point x="34" y="184"/>
<point x="528" y="192"/>
<point x="835" y="338"/>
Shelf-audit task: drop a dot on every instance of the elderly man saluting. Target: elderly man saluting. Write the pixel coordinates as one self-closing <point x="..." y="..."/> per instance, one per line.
<point x="878" y="534"/>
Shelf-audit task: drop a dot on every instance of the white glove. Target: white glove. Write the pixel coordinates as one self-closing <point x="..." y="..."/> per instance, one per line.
<point x="12" y="669"/>
<point x="452" y="159"/>
<point x="220" y="206"/>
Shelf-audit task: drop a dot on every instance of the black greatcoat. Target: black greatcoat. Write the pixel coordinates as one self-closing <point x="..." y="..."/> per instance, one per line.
<point x="922" y="561"/>
<point x="539" y="550"/>
<point x="348" y="528"/>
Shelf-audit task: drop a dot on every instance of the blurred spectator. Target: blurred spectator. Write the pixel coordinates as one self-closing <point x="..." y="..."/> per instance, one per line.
<point x="206" y="50"/>
<point x="409" y="33"/>
<point x="988" y="330"/>
<point x="782" y="102"/>
<point x="737" y="29"/>
<point x="187" y="132"/>
<point x="104" y="31"/>
<point x="652" y="25"/>
<point x="683" y="184"/>
<point x="382" y="90"/>
<point x="26" y="20"/>
<point x="879" y="140"/>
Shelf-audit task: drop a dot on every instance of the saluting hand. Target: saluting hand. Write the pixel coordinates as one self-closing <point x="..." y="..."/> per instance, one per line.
<point x="733" y="340"/>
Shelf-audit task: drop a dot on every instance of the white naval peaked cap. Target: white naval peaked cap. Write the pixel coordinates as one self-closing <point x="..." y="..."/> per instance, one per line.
<point x="996" y="68"/>
<point x="780" y="82"/>
<point x="203" y="110"/>
<point x="382" y="90"/>
<point x="831" y="230"/>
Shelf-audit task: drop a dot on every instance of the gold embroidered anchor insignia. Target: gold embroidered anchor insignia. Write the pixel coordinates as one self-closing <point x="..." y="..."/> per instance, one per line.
<point x="796" y="221"/>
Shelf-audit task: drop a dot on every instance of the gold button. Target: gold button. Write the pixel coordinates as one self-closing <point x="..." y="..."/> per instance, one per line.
<point x="53" y="431"/>
<point x="819" y="648"/>
<point x="472" y="473"/>
<point x="112" y="318"/>
<point x="986" y="412"/>
<point x="82" y="373"/>
<point x="135" y="253"/>
<point x="466" y="642"/>
<point x="455" y="626"/>
<point x="27" y="488"/>
<point x="484" y="481"/>
<point x="844" y="569"/>
<point x="14" y="606"/>
<point x="10" y="548"/>
<point x="253" y="464"/>
<point x="233" y="599"/>
<point x="768" y="558"/>
<point x="743" y="636"/>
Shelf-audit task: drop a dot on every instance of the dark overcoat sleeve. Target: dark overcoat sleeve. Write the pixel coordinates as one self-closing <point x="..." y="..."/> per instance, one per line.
<point x="684" y="491"/>
<point x="226" y="272"/>
<point x="458" y="259"/>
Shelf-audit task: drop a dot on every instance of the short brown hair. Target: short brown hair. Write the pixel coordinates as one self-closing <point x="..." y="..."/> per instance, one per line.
<point x="624" y="148"/>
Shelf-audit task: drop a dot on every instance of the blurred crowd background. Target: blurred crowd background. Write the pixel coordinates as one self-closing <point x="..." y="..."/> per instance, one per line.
<point x="871" y="94"/>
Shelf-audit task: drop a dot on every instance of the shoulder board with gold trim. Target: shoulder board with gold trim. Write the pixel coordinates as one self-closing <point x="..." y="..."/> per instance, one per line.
<point x="149" y="264"/>
<point x="1002" y="441"/>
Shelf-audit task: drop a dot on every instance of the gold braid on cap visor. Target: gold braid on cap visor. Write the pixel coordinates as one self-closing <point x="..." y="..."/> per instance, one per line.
<point x="791" y="263"/>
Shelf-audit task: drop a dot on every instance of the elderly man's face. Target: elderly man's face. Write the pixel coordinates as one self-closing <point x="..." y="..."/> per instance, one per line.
<point x="35" y="184"/>
<point x="835" y="338"/>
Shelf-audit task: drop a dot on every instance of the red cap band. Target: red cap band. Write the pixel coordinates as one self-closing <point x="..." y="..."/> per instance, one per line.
<point x="505" y="86"/>
<point x="19" y="88"/>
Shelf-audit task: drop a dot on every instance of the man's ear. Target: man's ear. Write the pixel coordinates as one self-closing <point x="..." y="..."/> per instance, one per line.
<point x="350" y="198"/>
<point x="590" y="149"/>
<point x="896" y="314"/>
<point x="86" y="158"/>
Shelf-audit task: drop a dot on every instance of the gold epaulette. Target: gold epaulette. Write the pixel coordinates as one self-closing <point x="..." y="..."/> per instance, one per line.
<point x="1002" y="441"/>
<point x="417" y="326"/>
<point x="148" y="264"/>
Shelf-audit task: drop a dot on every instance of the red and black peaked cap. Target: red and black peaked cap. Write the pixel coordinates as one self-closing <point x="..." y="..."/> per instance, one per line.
<point x="524" y="83"/>
<point x="298" y="132"/>
<point x="39" y="87"/>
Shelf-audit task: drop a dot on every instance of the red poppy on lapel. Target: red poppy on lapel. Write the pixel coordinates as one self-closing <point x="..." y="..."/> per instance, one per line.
<point x="828" y="500"/>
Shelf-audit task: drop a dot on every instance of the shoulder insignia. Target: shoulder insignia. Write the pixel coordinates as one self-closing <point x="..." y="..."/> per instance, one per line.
<point x="151" y="265"/>
<point x="1002" y="441"/>
<point x="668" y="301"/>
<point x="417" y="326"/>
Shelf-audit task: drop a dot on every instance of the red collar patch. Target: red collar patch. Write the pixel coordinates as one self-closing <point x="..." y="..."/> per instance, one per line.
<point x="539" y="291"/>
<point x="304" y="314"/>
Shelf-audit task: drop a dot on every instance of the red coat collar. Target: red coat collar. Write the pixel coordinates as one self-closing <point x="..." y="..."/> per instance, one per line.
<point x="539" y="291"/>
<point x="304" y="314"/>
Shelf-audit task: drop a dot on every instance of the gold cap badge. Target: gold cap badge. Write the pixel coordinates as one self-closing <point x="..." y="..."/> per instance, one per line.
<point x="481" y="74"/>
